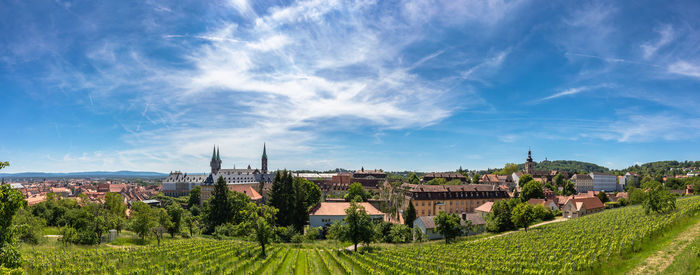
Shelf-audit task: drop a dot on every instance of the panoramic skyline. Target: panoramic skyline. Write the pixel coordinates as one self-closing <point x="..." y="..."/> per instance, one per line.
<point x="415" y="85"/>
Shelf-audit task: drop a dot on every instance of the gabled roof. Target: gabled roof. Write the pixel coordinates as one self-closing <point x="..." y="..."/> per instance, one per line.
<point x="486" y="207"/>
<point x="589" y="202"/>
<point x="338" y="209"/>
<point x="245" y="189"/>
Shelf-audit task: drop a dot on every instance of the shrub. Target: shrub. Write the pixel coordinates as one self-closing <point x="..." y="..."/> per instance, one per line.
<point x="297" y="238"/>
<point x="312" y="233"/>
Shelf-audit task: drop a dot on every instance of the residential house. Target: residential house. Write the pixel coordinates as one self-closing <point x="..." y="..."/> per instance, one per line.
<point x="549" y="204"/>
<point x="578" y="207"/>
<point x="325" y="213"/>
<point x="630" y="178"/>
<point x="484" y="209"/>
<point x="61" y="191"/>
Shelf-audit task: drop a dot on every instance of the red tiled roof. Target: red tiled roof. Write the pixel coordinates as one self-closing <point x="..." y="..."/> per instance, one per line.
<point x="589" y="202"/>
<point x="338" y="209"/>
<point x="486" y="207"/>
<point x="247" y="190"/>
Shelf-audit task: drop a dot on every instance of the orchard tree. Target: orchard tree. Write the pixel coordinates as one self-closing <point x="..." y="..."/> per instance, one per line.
<point x="358" y="225"/>
<point x="142" y="219"/>
<point x="658" y="199"/>
<point x="522" y="215"/>
<point x="261" y="221"/>
<point x="163" y="224"/>
<point x="175" y="212"/>
<point x="447" y="225"/>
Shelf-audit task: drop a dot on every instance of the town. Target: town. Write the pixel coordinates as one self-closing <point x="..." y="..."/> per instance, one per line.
<point x="335" y="208"/>
<point x="350" y="137"/>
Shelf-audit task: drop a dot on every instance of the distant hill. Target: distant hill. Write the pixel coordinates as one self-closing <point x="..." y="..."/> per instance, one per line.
<point x="94" y="174"/>
<point x="571" y="166"/>
<point x="666" y="167"/>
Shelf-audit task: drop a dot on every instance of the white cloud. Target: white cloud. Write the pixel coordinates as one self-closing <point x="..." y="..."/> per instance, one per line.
<point x="283" y="77"/>
<point x="684" y="68"/>
<point x="643" y="127"/>
<point x="573" y="91"/>
<point x="666" y="35"/>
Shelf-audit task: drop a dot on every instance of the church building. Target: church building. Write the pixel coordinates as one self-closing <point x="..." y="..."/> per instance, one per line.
<point x="179" y="184"/>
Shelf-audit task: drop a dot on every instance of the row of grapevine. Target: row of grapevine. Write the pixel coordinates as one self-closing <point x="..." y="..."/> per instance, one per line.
<point x="574" y="246"/>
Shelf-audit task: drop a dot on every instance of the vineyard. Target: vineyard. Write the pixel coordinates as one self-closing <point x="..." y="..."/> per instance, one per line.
<point x="562" y="248"/>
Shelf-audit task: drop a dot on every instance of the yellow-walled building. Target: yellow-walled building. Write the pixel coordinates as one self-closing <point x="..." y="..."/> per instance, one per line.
<point x="429" y="200"/>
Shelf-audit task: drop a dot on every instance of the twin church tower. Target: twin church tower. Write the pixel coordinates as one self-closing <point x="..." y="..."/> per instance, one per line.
<point x="215" y="162"/>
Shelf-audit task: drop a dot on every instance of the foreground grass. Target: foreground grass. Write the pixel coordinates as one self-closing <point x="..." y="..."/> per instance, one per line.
<point x="687" y="261"/>
<point x="623" y="264"/>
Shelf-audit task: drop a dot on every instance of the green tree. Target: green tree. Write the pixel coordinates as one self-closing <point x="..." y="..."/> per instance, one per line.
<point x="281" y="196"/>
<point x="358" y="225"/>
<point x="437" y="181"/>
<point x="355" y="189"/>
<point x="142" y="220"/>
<point x="413" y="178"/>
<point x="163" y="224"/>
<point x="192" y="222"/>
<point x="219" y="210"/>
<point x="658" y="199"/>
<point x="522" y="215"/>
<point x="10" y="202"/>
<point x="636" y="195"/>
<point x="569" y="188"/>
<point x="260" y="221"/>
<point x="540" y="212"/>
<point x="532" y="190"/>
<point x="447" y="225"/>
<point x="400" y="233"/>
<point x="525" y="178"/>
<point x="293" y="197"/>
<point x="559" y="180"/>
<point x="195" y="195"/>
<point x="603" y="197"/>
<point x="499" y="218"/>
<point x="175" y="212"/>
<point x="508" y="169"/>
<point x="476" y="178"/>
<point x="409" y="214"/>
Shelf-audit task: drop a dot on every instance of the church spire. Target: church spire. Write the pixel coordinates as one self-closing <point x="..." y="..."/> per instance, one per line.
<point x="264" y="159"/>
<point x="215" y="162"/>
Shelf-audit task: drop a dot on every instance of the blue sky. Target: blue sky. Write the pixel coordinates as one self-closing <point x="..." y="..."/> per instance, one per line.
<point x="398" y="85"/>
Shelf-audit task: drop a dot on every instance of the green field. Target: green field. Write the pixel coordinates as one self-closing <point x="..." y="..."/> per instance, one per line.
<point x="582" y="245"/>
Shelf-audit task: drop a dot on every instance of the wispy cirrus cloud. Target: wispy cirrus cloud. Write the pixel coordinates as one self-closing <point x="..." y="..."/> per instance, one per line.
<point x="666" y="35"/>
<point x="573" y="91"/>
<point x="284" y="74"/>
